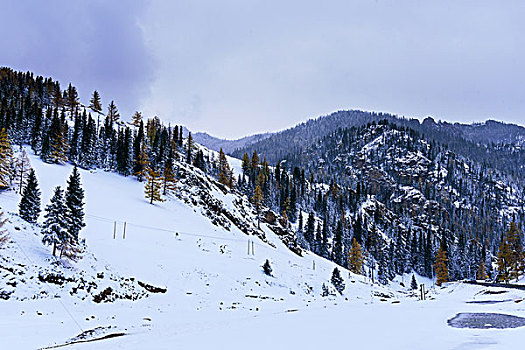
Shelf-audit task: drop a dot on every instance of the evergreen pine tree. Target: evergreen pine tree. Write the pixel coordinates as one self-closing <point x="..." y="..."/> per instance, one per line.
<point x="337" y="252"/>
<point x="74" y="146"/>
<point x="267" y="268"/>
<point x="338" y="281"/>
<point x="224" y="169"/>
<point x="36" y="132"/>
<point x="55" y="228"/>
<point x="189" y="149"/>
<point x="245" y="164"/>
<point x="318" y="239"/>
<point x="255" y="162"/>
<point x="309" y="230"/>
<point x="136" y="118"/>
<point x="257" y="199"/>
<point x="57" y="96"/>
<point x="56" y="152"/>
<point x="382" y="272"/>
<point x="324" y="243"/>
<point x="123" y="151"/>
<point x="72" y="99"/>
<point x="113" y="115"/>
<point x="74" y="198"/>
<point x="169" y="179"/>
<point x="94" y="103"/>
<point x="29" y="207"/>
<point x="413" y="283"/>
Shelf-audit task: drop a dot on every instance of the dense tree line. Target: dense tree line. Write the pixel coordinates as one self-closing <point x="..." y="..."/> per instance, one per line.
<point x="410" y="204"/>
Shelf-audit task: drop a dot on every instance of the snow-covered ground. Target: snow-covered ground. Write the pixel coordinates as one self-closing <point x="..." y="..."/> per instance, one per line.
<point x="217" y="295"/>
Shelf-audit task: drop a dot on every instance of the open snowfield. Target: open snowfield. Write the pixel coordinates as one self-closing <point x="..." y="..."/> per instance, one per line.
<point x="217" y="295"/>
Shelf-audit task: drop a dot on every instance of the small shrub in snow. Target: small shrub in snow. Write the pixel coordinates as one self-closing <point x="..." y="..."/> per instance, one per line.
<point x="413" y="284"/>
<point x="327" y="290"/>
<point x="267" y="268"/>
<point x="338" y="281"/>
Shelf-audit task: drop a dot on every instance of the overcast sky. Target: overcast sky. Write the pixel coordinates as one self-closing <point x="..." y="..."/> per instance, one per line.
<point x="240" y="67"/>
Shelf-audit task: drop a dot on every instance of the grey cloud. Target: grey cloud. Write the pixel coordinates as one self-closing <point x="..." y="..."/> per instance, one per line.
<point x="235" y="67"/>
<point x="93" y="44"/>
<point x="277" y="63"/>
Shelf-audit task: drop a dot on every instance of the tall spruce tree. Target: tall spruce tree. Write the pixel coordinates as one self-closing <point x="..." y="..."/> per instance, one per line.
<point x="337" y="252"/>
<point x="74" y="200"/>
<point x="324" y="243"/>
<point x="257" y="200"/>
<point x="113" y="115"/>
<point x="136" y="118"/>
<point x="337" y="280"/>
<point x="72" y="99"/>
<point x="56" y="223"/>
<point x="224" y="169"/>
<point x="413" y="283"/>
<point x="169" y="180"/>
<point x="94" y="103"/>
<point x="189" y="148"/>
<point x="29" y="206"/>
<point x="310" y="230"/>
<point x="382" y="269"/>
<point x="57" y="146"/>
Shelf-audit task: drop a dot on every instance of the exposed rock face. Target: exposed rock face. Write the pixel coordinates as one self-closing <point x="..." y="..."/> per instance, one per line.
<point x="226" y="207"/>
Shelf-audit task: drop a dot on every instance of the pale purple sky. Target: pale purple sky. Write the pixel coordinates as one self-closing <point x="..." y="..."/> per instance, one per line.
<point x="239" y="67"/>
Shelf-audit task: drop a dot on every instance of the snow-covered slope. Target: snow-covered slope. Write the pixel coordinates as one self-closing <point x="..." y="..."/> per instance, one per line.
<point x="177" y="244"/>
<point x="216" y="292"/>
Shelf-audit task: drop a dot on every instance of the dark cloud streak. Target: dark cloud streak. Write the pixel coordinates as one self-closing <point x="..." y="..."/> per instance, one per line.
<point x="93" y="44"/>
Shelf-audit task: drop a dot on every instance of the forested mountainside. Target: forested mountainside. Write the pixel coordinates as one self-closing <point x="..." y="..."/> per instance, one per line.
<point x="495" y="143"/>
<point x="379" y="198"/>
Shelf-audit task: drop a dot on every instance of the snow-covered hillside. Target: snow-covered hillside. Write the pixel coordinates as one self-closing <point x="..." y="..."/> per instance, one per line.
<point x="196" y="281"/>
<point x="173" y="245"/>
